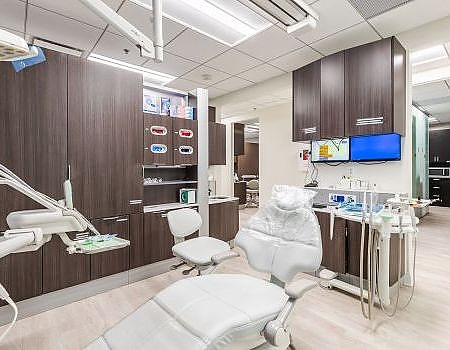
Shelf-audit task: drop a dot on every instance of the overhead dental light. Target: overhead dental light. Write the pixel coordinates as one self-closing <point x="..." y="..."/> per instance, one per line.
<point x="151" y="49"/>
<point x="12" y="46"/>
<point x="295" y="15"/>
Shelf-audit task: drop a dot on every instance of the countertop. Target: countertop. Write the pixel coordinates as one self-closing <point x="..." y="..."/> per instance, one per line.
<point x="173" y="206"/>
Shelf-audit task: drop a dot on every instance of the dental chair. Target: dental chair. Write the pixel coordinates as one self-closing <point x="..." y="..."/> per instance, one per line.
<point x="234" y="311"/>
<point x="197" y="253"/>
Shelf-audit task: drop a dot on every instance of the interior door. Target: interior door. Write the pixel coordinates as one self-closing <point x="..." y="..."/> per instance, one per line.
<point x="185" y="141"/>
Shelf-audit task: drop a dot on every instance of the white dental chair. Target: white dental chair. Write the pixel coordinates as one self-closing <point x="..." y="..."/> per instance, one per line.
<point x="198" y="252"/>
<point x="234" y="311"/>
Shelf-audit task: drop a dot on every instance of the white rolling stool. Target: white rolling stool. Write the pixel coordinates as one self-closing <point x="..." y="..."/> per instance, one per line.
<point x="198" y="252"/>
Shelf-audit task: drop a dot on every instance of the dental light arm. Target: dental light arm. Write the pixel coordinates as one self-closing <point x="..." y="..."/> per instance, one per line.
<point x="149" y="48"/>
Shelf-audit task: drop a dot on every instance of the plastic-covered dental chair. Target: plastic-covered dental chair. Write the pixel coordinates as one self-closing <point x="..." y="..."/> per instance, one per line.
<point x="234" y="311"/>
<point x="197" y="252"/>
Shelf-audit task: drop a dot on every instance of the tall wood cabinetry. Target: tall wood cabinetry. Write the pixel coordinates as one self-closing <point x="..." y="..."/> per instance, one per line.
<point x="217" y="144"/>
<point x="33" y="144"/>
<point x="358" y="91"/>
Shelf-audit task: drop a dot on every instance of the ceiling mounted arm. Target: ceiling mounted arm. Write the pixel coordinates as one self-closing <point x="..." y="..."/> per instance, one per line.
<point x="148" y="48"/>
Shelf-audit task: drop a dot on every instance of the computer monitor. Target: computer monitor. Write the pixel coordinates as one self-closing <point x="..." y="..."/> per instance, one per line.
<point x="375" y="148"/>
<point x="331" y="150"/>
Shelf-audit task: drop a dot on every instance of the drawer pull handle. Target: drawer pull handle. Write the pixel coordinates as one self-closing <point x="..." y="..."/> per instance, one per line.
<point x="135" y="201"/>
<point x="110" y="218"/>
<point x="310" y="130"/>
<point x="122" y="220"/>
<point x="369" y="121"/>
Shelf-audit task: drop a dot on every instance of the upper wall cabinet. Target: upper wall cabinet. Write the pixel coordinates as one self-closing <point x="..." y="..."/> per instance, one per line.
<point x="217" y="144"/>
<point x="332" y="96"/>
<point x="375" y="83"/>
<point x="105" y="139"/>
<point x="306" y="99"/>
<point x="238" y="131"/>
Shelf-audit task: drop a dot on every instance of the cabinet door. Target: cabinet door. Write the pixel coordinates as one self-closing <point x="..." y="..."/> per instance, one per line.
<point x="105" y="139"/>
<point x="114" y="261"/>
<point x="238" y="131"/>
<point x="136" y="240"/>
<point x="158" y="240"/>
<point x="354" y="230"/>
<point x="439" y="149"/>
<point x="184" y="141"/>
<point x="217" y="144"/>
<point x="224" y="220"/>
<point x="212" y="114"/>
<point x="158" y="133"/>
<point x="333" y="250"/>
<point x="332" y="97"/>
<point x="61" y="269"/>
<point x="368" y="85"/>
<point x="306" y="97"/>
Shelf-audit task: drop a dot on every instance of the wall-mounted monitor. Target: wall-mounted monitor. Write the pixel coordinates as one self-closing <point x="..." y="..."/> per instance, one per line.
<point x="332" y="150"/>
<point x="375" y="148"/>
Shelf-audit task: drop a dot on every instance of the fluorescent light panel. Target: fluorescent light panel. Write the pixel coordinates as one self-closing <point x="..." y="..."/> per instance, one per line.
<point x="432" y="75"/>
<point x="148" y="74"/>
<point x="226" y="21"/>
<point x="57" y="47"/>
<point x="428" y="55"/>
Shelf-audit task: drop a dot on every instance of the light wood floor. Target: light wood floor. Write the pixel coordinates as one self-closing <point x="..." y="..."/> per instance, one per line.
<point x="322" y="319"/>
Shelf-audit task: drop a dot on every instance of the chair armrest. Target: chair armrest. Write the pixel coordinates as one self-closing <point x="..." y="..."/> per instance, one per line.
<point x="221" y="257"/>
<point x="298" y="288"/>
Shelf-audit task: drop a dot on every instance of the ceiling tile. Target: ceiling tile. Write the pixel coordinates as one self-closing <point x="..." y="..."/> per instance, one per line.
<point x="296" y="59"/>
<point x="76" y="10"/>
<point x="12" y="15"/>
<point x="172" y="64"/>
<point x="205" y="75"/>
<point x="372" y="8"/>
<point x="270" y="43"/>
<point x="360" y="34"/>
<point x="260" y="73"/>
<point x="413" y="14"/>
<point x="214" y="92"/>
<point x="442" y="108"/>
<point x="233" y="83"/>
<point x="421" y="93"/>
<point x="141" y="18"/>
<point x="233" y="62"/>
<point x="114" y="46"/>
<point x="334" y="16"/>
<point x="51" y="26"/>
<point x="184" y="84"/>
<point x="195" y="46"/>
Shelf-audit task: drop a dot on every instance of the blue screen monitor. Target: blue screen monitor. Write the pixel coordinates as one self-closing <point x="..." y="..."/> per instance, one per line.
<point x="375" y="148"/>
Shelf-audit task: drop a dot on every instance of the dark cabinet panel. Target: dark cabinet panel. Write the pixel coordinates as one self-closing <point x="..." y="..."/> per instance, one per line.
<point x="61" y="269"/>
<point x="158" y="131"/>
<point x="212" y="114"/>
<point x="217" y="144"/>
<point x="224" y="220"/>
<point x="439" y="147"/>
<point x="398" y="64"/>
<point x="136" y="240"/>
<point x="368" y="84"/>
<point x="33" y="129"/>
<point x="332" y="96"/>
<point x="238" y="131"/>
<point x="240" y="191"/>
<point x="354" y="230"/>
<point x="248" y="163"/>
<point x="333" y="250"/>
<point x="158" y="240"/>
<point x="185" y="147"/>
<point x="306" y="102"/>
<point x="114" y="261"/>
<point x="104" y="138"/>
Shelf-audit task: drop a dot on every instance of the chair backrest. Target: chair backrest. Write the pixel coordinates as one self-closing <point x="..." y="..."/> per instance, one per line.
<point x="253" y="185"/>
<point x="284" y="237"/>
<point x="183" y="222"/>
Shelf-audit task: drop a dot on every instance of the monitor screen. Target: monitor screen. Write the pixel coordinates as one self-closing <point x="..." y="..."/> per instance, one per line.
<point x="332" y="150"/>
<point x="375" y="148"/>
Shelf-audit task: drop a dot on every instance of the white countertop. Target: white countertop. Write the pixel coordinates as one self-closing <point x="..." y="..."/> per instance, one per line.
<point x="173" y="206"/>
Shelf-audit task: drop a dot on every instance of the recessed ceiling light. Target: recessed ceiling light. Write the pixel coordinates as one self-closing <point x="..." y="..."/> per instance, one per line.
<point x="430" y="76"/>
<point x="148" y="74"/>
<point x="428" y="55"/>
<point x="227" y="21"/>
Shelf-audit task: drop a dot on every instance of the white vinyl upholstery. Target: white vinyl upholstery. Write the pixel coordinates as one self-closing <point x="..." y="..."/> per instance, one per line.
<point x="199" y="251"/>
<point x="206" y="312"/>
<point x="184" y="222"/>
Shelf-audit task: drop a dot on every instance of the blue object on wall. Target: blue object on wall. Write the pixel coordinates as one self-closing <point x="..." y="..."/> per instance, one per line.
<point x="28" y="62"/>
<point x="375" y="148"/>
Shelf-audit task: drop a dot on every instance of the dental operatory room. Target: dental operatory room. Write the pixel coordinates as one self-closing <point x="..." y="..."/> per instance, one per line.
<point x="224" y="174"/>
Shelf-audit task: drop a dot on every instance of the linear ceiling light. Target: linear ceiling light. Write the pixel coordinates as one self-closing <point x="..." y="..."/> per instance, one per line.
<point x="148" y="74"/>
<point x="227" y="21"/>
<point x="428" y="55"/>
<point x="46" y="44"/>
<point x="432" y="75"/>
<point x="295" y="15"/>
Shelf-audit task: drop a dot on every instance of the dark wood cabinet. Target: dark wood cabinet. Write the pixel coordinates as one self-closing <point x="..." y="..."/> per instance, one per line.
<point x="61" y="269"/>
<point x="104" y="138"/>
<point x="354" y="230"/>
<point x="217" y="144"/>
<point x="306" y="102"/>
<point x="440" y="191"/>
<point x="158" y="131"/>
<point x="375" y="84"/>
<point x="332" y="96"/>
<point x="238" y="132"/>
<point x="224" y="220"/>
<point x="114" y="261"/>
<point x="212" y="114"/>
<point x="240" y="191"/>
<point x="136" y="240"/>
<point x="333" y="249"/>
<point x="439" y="148"/>
<point x="185" y="141"/>
<point x="158" y="240"/>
